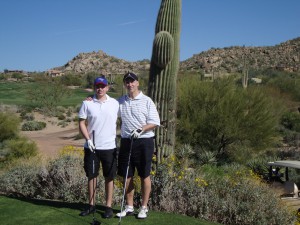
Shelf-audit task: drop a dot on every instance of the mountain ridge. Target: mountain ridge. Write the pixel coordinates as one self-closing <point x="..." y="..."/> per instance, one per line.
<point x="283" y="56"/>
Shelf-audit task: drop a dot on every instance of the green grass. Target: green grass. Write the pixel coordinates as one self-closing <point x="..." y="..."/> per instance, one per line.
<point x="18" y="211"/>
<point x="78" y="95"/>
<point x="15" y="93"/>
<point x="12" y="93"/>
<point x="76" y="98"/>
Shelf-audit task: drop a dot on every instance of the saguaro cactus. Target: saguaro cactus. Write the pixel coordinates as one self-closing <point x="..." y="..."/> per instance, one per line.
<point x="163" y="73"/>
<point x="245" y="71"/>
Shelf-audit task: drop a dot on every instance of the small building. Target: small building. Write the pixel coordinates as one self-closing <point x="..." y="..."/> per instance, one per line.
<point x="55" y="73"/>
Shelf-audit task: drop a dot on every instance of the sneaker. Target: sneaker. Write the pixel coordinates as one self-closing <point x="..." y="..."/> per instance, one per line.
<point x="128" y="211"/>
<point x="87" y="211"/>
<point x="108" y="213"/>
<point x="143" y="212"/>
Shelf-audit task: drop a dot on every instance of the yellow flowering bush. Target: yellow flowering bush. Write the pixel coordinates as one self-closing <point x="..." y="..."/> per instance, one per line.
<point x="71" y="150"/>
<point x="226" y="194"/>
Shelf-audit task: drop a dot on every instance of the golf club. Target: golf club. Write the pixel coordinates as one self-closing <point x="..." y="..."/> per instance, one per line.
<point x="95" y="222"/>
<point x="125" y="182"/>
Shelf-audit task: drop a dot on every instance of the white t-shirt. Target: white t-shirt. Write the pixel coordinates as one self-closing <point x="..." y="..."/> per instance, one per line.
<point x="102" y="118"/>
<point x="136" y="113"/>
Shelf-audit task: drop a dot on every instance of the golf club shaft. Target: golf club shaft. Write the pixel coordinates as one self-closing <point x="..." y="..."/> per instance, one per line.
<point x="125" y="182"/>
<point x="94" y="188"/>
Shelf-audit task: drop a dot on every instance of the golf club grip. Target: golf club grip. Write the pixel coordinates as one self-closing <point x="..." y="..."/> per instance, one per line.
<point x="94" y="137"/>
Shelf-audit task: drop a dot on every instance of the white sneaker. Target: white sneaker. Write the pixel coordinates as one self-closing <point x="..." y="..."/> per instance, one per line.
<point x="128" y="211"/>
<point x="143" y="212"/>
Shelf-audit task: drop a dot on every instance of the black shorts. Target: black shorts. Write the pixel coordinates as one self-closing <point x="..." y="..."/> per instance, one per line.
<point x="141" y="157"/>
<point x="108" y="159"/>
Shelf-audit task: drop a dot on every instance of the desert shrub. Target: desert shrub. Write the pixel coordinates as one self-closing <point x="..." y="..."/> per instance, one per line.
<point x="292" y="138"/>
<point x="61" y="116"/>
<point x="33" y="125"/>
<point x="63" y="123"/>
<point x="65" y="179"/>
<point x="22" y="179"/>
<point x="288" y="83"/>
<point x="69" y="112"/>
<point x="72" y="80"/>
<point x="60" y="110"/>
<point x="228" y="195"/>
<point x="21" y="147"/>
<point x="291" y="121"/>
<point x="9" y="126"/>
<point x="27" y="116"/>
<point x="62" y="178"/>
<point x="221" y="117"/>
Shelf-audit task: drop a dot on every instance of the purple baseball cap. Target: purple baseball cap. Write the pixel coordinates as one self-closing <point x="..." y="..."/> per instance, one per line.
<point x="100" y="80"/>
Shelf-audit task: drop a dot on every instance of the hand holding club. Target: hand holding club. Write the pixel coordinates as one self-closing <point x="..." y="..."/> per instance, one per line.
<point x="91" y="145"/>
<point x="136" y="133"/>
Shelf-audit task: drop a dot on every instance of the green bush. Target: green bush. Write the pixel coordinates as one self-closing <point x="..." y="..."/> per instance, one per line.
<point x="21" y="148"/>
<point x="221" y="117"/>
<point x="72" y="80"/>
<point x="27" y="116"/>
<point x="9" y="126"/>
<point x="287" y="83"/>
<point x="33" y="125"/>
<point x="291" y="121"/>
<point x="61" y="116"/>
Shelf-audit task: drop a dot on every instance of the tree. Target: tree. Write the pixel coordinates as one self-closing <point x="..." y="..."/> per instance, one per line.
<point x="219" y="116"/>
<point x="48" y="93"/>
<point x="17" y="76"/>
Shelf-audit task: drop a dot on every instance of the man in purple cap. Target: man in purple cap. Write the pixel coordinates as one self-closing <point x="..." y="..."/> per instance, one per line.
<point x="97" y="123"/>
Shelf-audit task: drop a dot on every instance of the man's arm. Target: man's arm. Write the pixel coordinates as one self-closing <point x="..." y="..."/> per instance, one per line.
<point x="148" y="127"/>
<point x="83" y="129"/>
<point x="85" y="133"/>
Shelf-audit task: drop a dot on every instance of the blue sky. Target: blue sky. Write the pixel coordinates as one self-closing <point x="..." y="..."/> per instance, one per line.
<point x="37" y="35"/>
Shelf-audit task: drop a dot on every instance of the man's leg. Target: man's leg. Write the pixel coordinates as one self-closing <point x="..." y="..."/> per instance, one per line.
<point x="92" y="183"/>
<point x="146" y="189"/>
<point x="109" y="166"/>
<point x="92" y="196"/>
<point x="129" y="191"/>
<point x="109" y="188"/>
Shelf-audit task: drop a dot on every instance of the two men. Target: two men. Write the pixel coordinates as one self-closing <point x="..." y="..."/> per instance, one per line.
<point x="139" y="118"/>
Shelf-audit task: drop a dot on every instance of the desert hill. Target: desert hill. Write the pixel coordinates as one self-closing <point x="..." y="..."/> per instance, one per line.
<point x="284" y="56"/>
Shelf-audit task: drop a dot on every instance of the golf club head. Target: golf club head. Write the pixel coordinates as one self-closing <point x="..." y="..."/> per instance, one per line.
<point x="95" y="222"/>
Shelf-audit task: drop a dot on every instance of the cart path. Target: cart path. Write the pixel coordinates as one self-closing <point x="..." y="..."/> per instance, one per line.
<point x="53" y="138"/>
